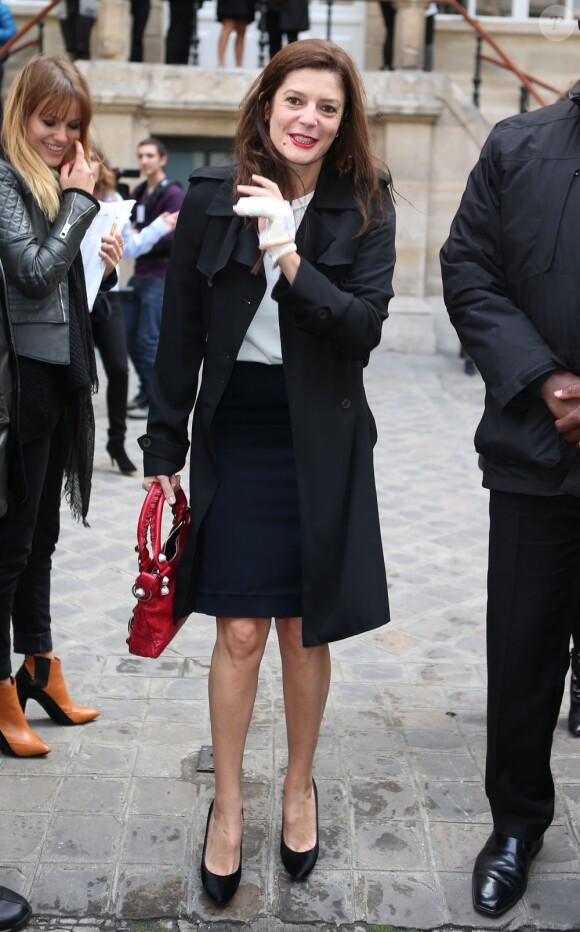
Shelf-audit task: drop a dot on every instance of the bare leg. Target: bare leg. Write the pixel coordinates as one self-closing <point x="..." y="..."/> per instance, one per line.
<point x="240" y="36"/>
<point x="233" y="681"/>
<point x="228" y="27"/>
<point x="306" y="680"/>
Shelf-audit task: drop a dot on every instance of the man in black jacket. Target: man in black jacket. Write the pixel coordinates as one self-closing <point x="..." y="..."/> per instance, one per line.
<point x="512" y="288"/>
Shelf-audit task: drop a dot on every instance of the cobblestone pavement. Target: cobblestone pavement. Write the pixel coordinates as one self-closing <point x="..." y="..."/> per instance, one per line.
<point x="105" y="832"/>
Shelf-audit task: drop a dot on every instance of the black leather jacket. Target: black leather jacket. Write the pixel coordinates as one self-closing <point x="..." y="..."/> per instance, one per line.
<point x="36" y="256"/>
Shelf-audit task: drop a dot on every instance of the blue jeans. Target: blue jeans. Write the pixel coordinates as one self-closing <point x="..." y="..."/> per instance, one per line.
<point x="142" y="312"/>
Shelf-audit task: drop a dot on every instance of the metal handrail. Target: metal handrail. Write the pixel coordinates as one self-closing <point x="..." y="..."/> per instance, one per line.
<point x="524" y="79"/>
<point x="500" y="64"/>
<point x="26" y="28"/>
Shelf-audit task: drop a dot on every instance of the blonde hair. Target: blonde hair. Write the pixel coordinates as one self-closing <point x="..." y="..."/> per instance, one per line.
<point x="48" y="85"/>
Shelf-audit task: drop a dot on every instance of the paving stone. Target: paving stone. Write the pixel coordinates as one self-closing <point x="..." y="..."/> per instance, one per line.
<point x="395" y="845"/>
<point x="156" y="840"/>
<point x="398" y="897"/>
<point x="90" y="794"/>
<point x="382" y="801"/>
<point x="77" y="837"/>
<point x="328" y="896"/>
<point x="446" y="802"/>
<point x="157" y="795"/>
<point x="146" y="893"/>
<point x="71" y="891"/>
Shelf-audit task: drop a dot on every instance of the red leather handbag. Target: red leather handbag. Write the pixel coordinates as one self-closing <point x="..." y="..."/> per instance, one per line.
<point x="151" y="626"/>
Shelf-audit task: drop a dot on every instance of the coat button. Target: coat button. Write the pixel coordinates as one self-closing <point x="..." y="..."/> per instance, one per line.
<point x="209" y="283"/>
<point x="145" y="442"/>
<point x="345" y="404"/>
<point x="322" y="314"/>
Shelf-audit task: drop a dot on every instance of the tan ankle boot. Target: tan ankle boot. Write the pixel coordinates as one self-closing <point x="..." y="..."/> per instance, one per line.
<point x="16" y="737"/>
<point x="41" y="678"/>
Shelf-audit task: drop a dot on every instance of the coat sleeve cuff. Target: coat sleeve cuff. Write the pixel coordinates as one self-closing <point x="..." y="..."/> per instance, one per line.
<point x="162" y="457"/>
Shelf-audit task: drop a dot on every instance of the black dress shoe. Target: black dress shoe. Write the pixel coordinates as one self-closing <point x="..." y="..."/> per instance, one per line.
<point x="221" y="887"/>
<point x="15" y="911"/>
<point x="300" y="863"/>
<point x="500" y="874"/>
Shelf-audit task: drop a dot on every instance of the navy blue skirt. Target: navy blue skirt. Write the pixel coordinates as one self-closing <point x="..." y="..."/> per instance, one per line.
<point x="250" y="563"/>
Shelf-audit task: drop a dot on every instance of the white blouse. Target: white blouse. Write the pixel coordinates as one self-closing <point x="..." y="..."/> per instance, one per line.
<point x="262" y="340"/>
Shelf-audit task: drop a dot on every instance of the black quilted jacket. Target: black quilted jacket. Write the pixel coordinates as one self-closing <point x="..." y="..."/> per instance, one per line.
<point x="36" y="256"/>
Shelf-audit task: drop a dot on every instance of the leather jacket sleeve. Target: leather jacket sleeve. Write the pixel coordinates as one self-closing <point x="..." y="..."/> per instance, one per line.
<point x="36" y="267"/>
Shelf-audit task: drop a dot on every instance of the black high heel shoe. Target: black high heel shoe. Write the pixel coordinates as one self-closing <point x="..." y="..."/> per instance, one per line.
<point x="300" y="863"/>
<point x="119" y="458"/>
<point x="221" y="887"/>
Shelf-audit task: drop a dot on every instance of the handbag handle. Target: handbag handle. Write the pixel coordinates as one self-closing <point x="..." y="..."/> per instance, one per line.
<point x="150" y="521"/>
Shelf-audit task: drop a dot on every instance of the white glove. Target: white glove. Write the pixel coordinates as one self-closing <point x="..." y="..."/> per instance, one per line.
<point x="278" y="234"/>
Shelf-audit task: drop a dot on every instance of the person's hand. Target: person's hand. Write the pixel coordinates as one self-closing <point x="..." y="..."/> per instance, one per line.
<point x="561" y="392"/>
<point x="111" y="252"/>
<point x="276" y="225"/>
<point x="170" y="219"/>
<point x="569" y="424"/>
<point x="169" y="484"/>
<point x="77" y="174"/>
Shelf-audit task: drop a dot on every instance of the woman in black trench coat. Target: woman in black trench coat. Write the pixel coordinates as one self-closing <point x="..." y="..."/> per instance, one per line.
<point x="284" y="510"/>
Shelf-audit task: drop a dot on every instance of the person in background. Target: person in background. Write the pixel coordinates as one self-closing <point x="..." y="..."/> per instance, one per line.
<point x="178" y="39"/>
<point x="234" y="15"/>
<point x="15" y="911"/>
<point x="7" y="30"/>
<point x="107" y="319"/>
<point x="512" y="290"/>
<point x="389" y="12"/>
<point x="139" y="15"/>
<point x="285" y="17"/>
<point x="430" y="14"/>
<point x="46" y="191"/>
<point x="77" y="18"/>
<point x="155" y="196"/>
<point x="285" y="519"/>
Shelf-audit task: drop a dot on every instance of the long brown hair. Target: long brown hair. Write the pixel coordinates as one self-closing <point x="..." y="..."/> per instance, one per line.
<point x="350" y="154"/>
<point x="50" y="85"/>
<point x="107" y="180"/>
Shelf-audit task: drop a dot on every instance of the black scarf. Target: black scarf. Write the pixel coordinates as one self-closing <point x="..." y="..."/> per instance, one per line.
<point x="79" y="441"/>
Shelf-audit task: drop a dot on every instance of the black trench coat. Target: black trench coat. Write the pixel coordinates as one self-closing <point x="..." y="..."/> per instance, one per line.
<point x="330" y="320"/>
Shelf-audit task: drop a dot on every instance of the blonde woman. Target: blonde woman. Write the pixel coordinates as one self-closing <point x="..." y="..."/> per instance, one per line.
<point x="46" y="190"/>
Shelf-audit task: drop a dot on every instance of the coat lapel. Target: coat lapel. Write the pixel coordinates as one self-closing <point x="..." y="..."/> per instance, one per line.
<point x="326" y="234"/>
<point x="226" y="236"/>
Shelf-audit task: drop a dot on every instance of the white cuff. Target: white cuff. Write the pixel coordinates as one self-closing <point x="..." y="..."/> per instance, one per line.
<point x="278" y="252"/>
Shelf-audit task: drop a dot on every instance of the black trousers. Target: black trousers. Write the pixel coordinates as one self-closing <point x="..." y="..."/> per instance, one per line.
<point x="178" y="37"/>
<point x="389" y="12"/>
<point x="76" y="31"/>
<point x="140" y="13"/>
<point x="28" y="537"/>
<point x="275" y="33"/>
<point x="533" y="599"/>
<point x="110" y="339"/>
